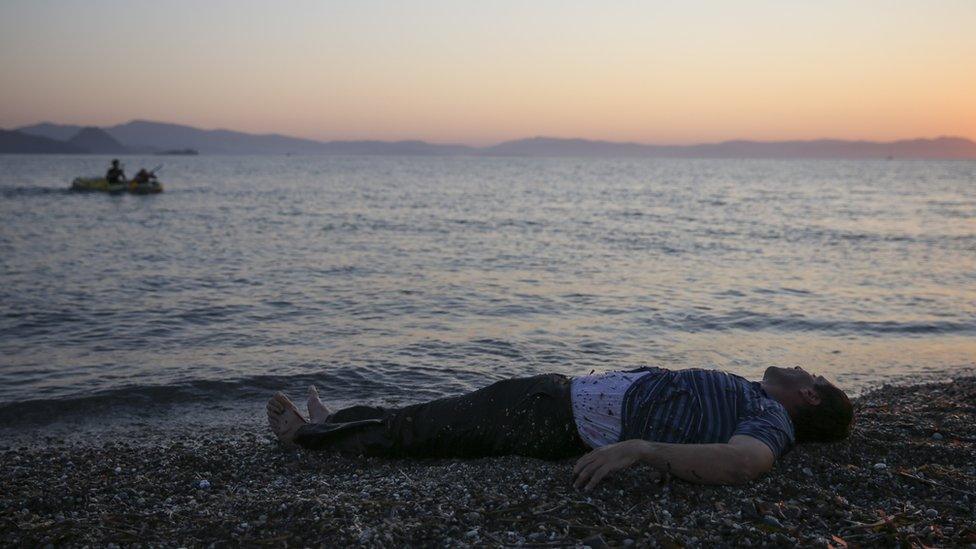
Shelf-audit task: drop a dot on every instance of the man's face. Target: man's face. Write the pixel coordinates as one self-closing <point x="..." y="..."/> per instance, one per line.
<point x="793" y="378"/>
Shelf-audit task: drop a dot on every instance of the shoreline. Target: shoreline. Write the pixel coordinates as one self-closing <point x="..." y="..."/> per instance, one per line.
<point x="906" y="475"/>
<point x="134" y="412"/>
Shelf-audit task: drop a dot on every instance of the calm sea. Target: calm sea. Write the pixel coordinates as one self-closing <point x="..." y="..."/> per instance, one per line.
<point x="399" y="279"/>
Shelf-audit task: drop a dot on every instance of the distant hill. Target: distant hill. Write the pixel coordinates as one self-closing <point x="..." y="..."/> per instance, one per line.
<point x="163" y="136"/>
<point x="173" y="136"/>
<point x="147" y="136"/>
<point x="96" y="141"/>
<point x="142" y="136"/>
<point x="58" y="132"/>
<point x="939" y="148"/>
<point x="15" y="142"/>
<point x="406" y="148"/>
<point x="552" y="146"/>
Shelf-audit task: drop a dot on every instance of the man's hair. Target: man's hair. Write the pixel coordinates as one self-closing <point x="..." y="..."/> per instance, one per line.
<point x="828" y="421"/>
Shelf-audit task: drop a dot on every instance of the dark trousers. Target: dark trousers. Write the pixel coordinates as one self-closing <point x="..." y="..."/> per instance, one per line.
<point x="528" y="416"/>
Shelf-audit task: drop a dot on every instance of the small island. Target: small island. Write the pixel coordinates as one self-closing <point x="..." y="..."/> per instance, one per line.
<point x="179" y="152"/>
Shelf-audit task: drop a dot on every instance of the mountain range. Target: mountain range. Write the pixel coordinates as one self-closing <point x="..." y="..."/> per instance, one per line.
<point x="145" y="137"/>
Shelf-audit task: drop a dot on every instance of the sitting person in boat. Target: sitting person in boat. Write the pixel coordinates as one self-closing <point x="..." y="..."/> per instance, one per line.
<point x="142" y="176"/>
<point x="115" y="174"/>
<point x="704" y="426"/>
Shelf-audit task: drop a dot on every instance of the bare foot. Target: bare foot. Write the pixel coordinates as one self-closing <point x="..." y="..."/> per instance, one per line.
<point x="284" y="418"/>
<point x="317" y="411"/>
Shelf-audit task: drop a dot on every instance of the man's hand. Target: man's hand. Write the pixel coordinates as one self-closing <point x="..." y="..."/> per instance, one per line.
<point x="591" y="468"/>
<point x="741" y="459"/>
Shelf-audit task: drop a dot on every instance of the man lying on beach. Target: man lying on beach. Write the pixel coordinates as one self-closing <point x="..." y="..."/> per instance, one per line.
<point x="704" y="426"/>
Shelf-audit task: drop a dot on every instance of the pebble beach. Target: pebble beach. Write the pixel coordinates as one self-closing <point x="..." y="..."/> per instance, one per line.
<point x="907" y="476"/>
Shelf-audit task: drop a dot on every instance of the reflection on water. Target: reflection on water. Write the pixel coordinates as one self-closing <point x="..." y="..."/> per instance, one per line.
<point x="407" y="278"/>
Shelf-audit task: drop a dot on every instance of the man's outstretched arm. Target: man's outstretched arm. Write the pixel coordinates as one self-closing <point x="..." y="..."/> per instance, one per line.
<point x="742" y="459"/>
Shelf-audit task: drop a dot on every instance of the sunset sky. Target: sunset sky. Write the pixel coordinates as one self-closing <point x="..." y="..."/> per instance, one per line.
<point x="482" y="72"/>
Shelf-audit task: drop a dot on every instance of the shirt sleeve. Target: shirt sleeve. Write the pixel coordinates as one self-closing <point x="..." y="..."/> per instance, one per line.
<point x="772" y="426"/>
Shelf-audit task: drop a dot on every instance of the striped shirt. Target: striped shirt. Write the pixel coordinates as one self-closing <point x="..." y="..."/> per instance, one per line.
<point x="694" y="406"/>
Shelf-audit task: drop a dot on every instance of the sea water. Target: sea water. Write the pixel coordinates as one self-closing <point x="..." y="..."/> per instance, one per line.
<point x="397" y="279"/>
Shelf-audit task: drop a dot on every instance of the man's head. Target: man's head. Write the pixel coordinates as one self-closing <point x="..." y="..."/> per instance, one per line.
<point x="820" y="411"/>
<point x="115" y="163"/>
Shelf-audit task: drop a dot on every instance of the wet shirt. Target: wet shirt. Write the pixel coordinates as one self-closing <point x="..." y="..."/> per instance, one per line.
<point x="597" y="401"/>
<point x="694" y="406"/>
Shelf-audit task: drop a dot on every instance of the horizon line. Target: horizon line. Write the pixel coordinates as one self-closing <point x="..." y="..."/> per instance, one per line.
<point x="515" y="139"/>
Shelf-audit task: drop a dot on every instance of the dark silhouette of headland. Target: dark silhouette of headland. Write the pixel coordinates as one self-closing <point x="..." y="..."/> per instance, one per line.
<point x="15" y="142"/>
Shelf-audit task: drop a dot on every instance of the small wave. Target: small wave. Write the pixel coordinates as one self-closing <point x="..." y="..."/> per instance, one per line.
<point x="20" y="192"/>
<point x="152" y="399"/>
<point x="353" y="384"/>
<point x="748" y="320"/>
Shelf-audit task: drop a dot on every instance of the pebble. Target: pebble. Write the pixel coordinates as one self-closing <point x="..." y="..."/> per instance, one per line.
<point x="937" y="436"/>
<point x="203" y="484"/>
<point x="492" y="507"/>
<point x="118" y="470"/>
<point x="880" y="466"/>
<point x="595" y="542"/>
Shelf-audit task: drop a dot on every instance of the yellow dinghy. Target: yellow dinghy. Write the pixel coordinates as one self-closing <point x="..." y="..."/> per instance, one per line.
<point x="100" y="184"/>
